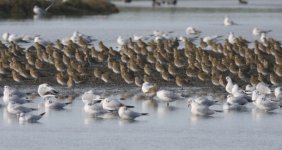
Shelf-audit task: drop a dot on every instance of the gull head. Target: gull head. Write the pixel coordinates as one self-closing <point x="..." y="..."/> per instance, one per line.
<point x="189" y="101"/>
<point x="256" y="31"/>
<point x="44" y="85"/>
<point x="5" y="36"/>
<point x="36" y="39"/>
<point x="228" y="78"/>
<point x="96" y="101"/>
<point x="278" y="89"/>
<point x="36" y="7"/>
<point x="89" y="92"/>
<point x="106" y="100"/>
<point x="21" y="114"/>
<point x="123" y="108"/>
<point x="75" y="33"/>
<point x="192" y="30"/>
<point x="255" y="95"/>
<point x="49" y="101"/>
<point x="6" y="87"/>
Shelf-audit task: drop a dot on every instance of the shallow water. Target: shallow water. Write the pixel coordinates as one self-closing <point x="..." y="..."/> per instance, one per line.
<point x="166" y="127"/>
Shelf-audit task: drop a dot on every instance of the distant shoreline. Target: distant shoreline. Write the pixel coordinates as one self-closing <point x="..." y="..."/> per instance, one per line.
<point x="14" y="9"/>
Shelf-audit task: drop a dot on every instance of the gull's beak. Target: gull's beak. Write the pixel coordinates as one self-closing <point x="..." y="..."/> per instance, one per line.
<point x="97" y="101"/>
<point x="189" y="105"/>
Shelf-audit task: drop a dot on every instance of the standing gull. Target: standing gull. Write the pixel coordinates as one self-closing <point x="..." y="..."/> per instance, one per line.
<point x="278" y="93"/>
<point x="40" y="41"/>
<point x="266" y="104"/>
<point x="231" y="38"/>
<point x="94" y="108"/>
<point x="112" y="104"/>
<point x="263" y="88"/>
<point x="89" y="96"/>
<point x="149" y="89"/>
<point x="192" y="31"/>
<point x="228" y="22"/>
<point x="121" y="41"/>
<point x="229" y="85"/>
<point x="12" y="94"/>
<point x="8" y="37"/>
<point x="257" y="31"/>
<point x="213" y="38"/>
<point x="167" y="96"/>
<point x="42" y="12"/>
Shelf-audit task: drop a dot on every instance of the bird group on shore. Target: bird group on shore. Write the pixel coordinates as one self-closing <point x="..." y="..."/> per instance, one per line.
<point x="160" y="58"/>
<point x="94" y="105"/>
<point x="237" y="99"/>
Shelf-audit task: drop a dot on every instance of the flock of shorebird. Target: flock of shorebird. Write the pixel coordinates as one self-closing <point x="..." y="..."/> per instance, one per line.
<point x="97" y="106"/>
<point x="155" y="58"/>
<point x="146" y="62"/>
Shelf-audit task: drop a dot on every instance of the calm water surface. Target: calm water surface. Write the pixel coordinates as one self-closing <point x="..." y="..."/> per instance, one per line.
<point x="166" y="127"/>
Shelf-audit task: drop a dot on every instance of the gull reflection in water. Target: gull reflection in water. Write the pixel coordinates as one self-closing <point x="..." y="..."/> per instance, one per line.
<point x="196" y="118"/>
<point x="123" y="122"/>
<point x="149" y="105"/>
<point x="260" y="114"/>
<point x="164" y="110"/>
<point x="90" y="120"/>
<point x="9" y="118"/>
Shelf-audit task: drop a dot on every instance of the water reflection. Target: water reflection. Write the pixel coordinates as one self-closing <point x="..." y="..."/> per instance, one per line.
<point x="139" y="97"/>
<point x="133" y="94"/>
<point x="24" y="123"/>
<point x="149" y="105"/>
<point x="123" y="122"/>
<point x="50" y="110"/>
<point x="9" y="118"/>
<point x="109" y="115"/>
<point x="38" y="17"/>
<point x="91" y="120"/>
<point x="260" y="114"/>
<point x="196" y="118"/>
<point x="163" y="110"/>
